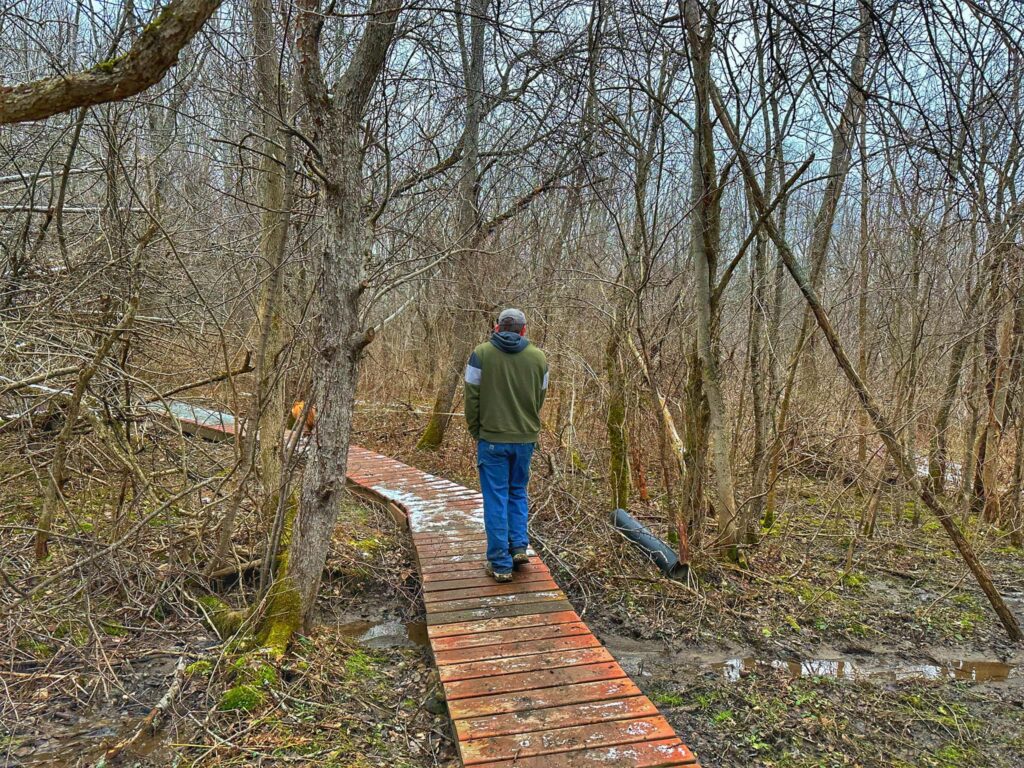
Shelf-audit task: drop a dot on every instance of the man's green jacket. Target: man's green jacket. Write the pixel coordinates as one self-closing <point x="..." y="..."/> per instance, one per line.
<point x="506" y="381"/>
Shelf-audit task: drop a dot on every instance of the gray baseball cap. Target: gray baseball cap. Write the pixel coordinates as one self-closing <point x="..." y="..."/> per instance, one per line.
<point x="511" y="319"/>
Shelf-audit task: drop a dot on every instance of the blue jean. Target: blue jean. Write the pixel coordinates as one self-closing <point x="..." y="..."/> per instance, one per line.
<point x="504" y="475"/>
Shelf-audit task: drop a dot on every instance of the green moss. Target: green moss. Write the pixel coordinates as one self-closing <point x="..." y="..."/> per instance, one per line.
<point x="38" y="649"/>
<point x="433" y="435"/>
<point x="282" y="619"/>
<point x="241" y="698"/>
<point x="705" y="700"/>
<point x="668" y="698"/>
<point x="113" y="629"/>
<point x="359" y="666"/>
<point x="74" y="631"/>
<point x="366" y="546"/>
<point x="224" y="620"/>
<point x="954" y="756"/>
<point x="854" y="580"/>
<point x="201" y="668"/>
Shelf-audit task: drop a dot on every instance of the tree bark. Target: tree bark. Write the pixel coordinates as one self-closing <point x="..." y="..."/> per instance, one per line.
<point x="339" y="338"/>
<point x="704" y="241"/>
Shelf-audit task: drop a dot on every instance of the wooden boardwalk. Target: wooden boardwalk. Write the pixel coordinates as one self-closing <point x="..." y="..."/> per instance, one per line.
<point x="527" y="683"/>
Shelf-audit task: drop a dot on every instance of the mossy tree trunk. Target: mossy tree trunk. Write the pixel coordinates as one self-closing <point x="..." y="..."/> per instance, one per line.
<point x="336" y="115"/>
<point x="467" y="229"/>
<point x="277" y="193"/>
<point x="262" y="439"/>
<point x="618" y="439"/>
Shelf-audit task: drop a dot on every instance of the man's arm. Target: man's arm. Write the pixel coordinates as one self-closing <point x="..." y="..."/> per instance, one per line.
<point x="543" y="387"/>
<point x="471" y="399"/>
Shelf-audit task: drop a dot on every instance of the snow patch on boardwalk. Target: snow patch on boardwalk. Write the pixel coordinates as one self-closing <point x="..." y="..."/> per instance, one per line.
<point x="431" y="515"/>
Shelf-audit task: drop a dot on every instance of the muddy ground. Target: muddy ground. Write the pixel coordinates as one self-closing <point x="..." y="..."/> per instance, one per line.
<point x="828" y="650"/>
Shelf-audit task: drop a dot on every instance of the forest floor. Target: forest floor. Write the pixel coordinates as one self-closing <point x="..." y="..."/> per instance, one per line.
<point x="828" y="650"/>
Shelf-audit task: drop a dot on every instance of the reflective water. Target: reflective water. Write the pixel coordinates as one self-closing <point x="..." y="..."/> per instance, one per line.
<point x="386" y="634"/>
<point x="958" y="669"/>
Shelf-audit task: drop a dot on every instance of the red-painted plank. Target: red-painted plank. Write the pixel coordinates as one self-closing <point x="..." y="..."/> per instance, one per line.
<point x="523" y="575"/>
<point x="430" y="569"/>
<point x="555" y="717"/>
<point x="498" y="601"/>
<point x="485" y="590"/>
<point x="542" y="698"/>
<point x="650" y="754"/>
<point x="523" y="745"/>
<point x="508" y="650"/>
<point x="496" y="625"/>
<point x="497" y="668"/>
<point x="508" y="636"/>
<point x="528" y="681"/>
<point x="497" y="612"/>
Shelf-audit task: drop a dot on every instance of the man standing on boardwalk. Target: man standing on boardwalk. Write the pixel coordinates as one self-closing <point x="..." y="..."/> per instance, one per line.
<point x="506" y="381"/>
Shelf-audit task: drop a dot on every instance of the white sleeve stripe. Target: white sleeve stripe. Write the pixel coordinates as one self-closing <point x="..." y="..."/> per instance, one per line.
<point x="544" y="384"/>
<point x="473" y="375"/>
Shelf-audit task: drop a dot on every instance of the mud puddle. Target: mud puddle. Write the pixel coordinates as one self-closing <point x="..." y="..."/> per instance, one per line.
<point x="638" y="658"/>
<point x="959" y="669"/>
<point x="386" y="634"/>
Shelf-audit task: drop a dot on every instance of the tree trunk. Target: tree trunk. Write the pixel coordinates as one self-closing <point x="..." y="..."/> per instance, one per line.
<point x="277" y="192"/>
<point x="704" y="241"/>
<point x="862" y="293"/>
<point x="618" y="440"/>
<point x="467" y="229"/>
<point x="262" y="439"/>
<point x="985" y="501"/>
<point x="938" y="459"/>
<point x="339" y="337"/>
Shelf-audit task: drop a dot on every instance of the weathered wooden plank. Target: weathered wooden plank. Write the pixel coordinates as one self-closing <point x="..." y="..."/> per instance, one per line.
<point x="476" y="566"/>
<point x="509" y="636"/>
<point x="485" y="590"/>
<point x="465" y="557"/>
<point x="522" y="648"/>
<point x="522" y="745"/>
<point x="465" y="580"/>
<point x="442" y="572"/>
<point x="555" y="717"/>
<point x="497" y="612"/>
<point x="662" y="753"/>
<point x="528" y="681"/>
<point x="488" y="601"/>
<point x="495" y="668"/>
<point x="431" y="539"/>
<point x="471" y="627"/>
<point x="523" y="701"/>
<point x="454" y="548"/>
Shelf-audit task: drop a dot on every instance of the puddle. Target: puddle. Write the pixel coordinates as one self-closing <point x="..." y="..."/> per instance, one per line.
<point x="960" y="669"/>
<point x="640" y="659"/>
<point x="86" y="746"/>
<point x="386" y="634"/>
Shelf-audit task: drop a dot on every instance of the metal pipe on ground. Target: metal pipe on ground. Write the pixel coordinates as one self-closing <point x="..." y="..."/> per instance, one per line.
<point x="661" y="553"/>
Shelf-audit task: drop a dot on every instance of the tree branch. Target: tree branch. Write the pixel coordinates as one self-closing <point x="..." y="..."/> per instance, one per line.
<point x="144" y="65"/>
